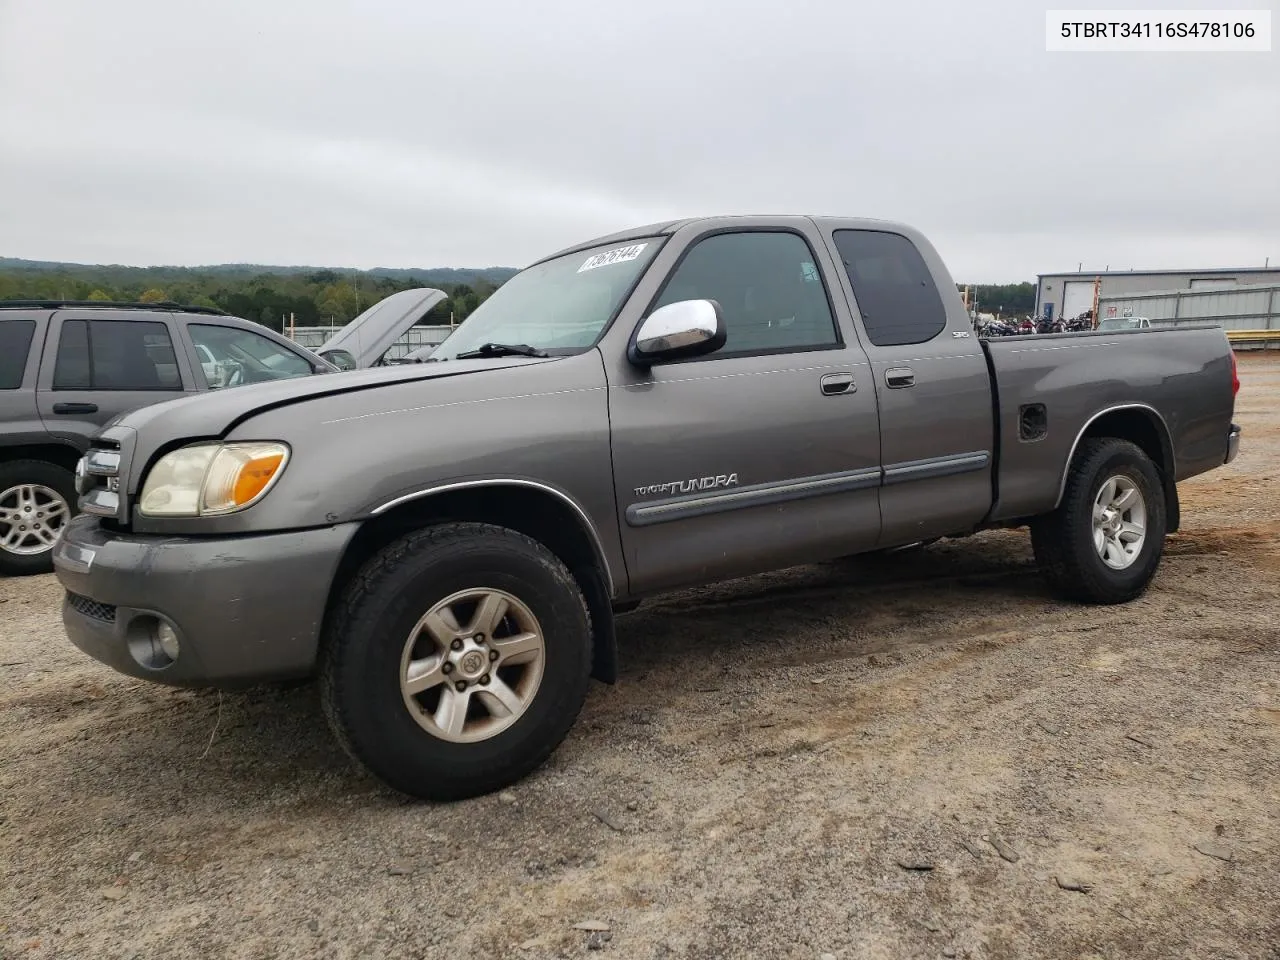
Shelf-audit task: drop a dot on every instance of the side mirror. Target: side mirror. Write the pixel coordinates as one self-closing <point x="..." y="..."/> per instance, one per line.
<point x="688" y="328"/>
<point x="341" y="359"/>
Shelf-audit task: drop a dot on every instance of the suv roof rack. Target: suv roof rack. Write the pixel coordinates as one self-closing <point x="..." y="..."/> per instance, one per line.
<point x="110" y="305"/>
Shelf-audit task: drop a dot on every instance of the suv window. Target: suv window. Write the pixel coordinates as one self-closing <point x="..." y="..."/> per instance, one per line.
<point x="15" y="342"/>
<point x="896" y="295"/>
<point x="767" y="284"/>
<point x="231" y="357"/>
<point x="115" y="355"/>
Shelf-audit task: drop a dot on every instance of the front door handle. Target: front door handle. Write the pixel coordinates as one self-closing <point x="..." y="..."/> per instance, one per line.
<point x="75" y="408"/>
<point x="834" y="384"/>
<point x="899" y="377"/>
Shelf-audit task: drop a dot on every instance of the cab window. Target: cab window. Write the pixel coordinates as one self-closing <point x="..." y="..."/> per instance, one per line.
<point x="769" y="289"/>
<point x="231" y="357"/>
<point x="895" y="292"/>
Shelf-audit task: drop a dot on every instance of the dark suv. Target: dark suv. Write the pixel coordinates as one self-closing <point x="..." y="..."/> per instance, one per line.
<point x="68" y="368"/>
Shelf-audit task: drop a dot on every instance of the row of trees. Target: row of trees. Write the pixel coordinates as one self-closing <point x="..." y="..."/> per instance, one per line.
<point x="312" y="297"/>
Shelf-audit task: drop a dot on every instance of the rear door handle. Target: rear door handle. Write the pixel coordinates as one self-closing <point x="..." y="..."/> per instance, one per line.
<point x="898" y="377"/>
<point x="834" y="384"/>
<point x="75" y="408"/>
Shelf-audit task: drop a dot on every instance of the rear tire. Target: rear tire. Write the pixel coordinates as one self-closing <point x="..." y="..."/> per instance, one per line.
<point x="432" y="611"/>
<point x="1104" y="541"/>
<point x="37" y="498"/>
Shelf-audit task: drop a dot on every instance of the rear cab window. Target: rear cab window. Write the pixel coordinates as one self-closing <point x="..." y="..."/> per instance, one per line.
<point x="15" y="344"/>
<point x="893" y="287"/>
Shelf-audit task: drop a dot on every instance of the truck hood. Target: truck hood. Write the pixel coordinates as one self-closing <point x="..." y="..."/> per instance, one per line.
<point x="375" y="331"/>
<point x="214" y="414"/>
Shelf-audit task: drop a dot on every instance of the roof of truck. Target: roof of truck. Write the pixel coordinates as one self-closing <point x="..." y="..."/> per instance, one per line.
<point x="668" y="227"/>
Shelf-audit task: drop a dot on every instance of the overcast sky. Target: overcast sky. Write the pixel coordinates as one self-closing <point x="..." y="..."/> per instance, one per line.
<point x="478" y="133"/>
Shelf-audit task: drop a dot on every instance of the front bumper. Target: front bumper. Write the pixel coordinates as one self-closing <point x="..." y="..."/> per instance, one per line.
<point x="1233" y="443"/>
<point x="244" y="609"/>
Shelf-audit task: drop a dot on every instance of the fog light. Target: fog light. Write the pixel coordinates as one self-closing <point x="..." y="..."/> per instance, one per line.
<point x="168" y="638"/>
<point x="153" y="643"/>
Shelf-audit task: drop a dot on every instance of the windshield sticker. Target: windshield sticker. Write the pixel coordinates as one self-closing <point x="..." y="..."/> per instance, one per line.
<point x="620" y="255"/>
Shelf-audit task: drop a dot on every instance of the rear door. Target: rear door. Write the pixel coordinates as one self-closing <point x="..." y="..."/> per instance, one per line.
<point x="96" y="368"/>
<point x="931" y="378"/>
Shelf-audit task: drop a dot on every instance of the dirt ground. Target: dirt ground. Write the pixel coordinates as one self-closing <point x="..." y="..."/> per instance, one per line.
<point x="780" y="753"/>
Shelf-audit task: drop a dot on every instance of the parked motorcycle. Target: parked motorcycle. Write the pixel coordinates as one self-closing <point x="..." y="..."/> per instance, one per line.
<point x="997" y="328"/>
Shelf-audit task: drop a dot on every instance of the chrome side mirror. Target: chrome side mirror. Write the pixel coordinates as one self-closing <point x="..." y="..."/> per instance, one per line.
<point x="687" y="328"/>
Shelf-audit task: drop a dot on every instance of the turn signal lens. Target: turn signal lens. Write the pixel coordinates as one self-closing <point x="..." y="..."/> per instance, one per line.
<point x="210" y="479"/>
<point x="239" y="474"/>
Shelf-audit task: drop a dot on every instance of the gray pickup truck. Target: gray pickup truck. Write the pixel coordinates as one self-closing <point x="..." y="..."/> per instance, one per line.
<point x="446" y="544"/>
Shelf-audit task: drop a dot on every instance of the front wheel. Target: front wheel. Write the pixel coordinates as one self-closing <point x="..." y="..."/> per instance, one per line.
<point x="37" y="498"/>
<point x="1104" y="542"/>
<point x="457" y="660"/>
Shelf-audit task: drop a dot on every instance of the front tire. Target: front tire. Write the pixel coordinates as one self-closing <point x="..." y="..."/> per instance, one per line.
<point x="37" y="498"/>
<point x="457" y="660"/>
<point x="1104" y="542"/>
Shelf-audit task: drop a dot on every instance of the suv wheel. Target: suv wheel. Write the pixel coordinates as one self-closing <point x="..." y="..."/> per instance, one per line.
<point x="1104" y="542"/>
<point x="37" y="498"/>
<point x="457" y="660"/>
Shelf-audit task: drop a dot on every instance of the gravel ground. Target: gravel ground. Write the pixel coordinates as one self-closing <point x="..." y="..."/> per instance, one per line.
<point x="923" y="758"/>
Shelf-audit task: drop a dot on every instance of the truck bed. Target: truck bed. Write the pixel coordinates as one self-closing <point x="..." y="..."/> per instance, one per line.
<point x="1050" y="388"/>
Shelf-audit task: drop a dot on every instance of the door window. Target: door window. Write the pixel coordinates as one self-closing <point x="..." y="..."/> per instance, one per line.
<point x="15" y="342"/>
<point x="231" y="356"/>
<point x="896" y="295"/>
<point x="115" y="355"/>
<point x="769" y="289"/>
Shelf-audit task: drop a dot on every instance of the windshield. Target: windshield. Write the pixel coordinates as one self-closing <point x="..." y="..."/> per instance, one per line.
<point x="560" y="306"/>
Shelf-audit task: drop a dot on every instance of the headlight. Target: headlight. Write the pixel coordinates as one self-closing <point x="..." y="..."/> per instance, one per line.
<point x="211" y="479"/>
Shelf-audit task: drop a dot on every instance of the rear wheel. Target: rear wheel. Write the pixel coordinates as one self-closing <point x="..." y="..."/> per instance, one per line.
<point x="1104" y="542"/>
<point x="457" y="661"/>
<point x="37" y="498"/>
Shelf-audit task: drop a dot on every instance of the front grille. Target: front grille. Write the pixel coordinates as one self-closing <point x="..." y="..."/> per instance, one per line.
<point x="91" y="608"/>
<point x="98" y="478"/>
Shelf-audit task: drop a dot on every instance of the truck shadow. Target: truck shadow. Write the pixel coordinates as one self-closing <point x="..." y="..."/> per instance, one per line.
<point x="843" y="608"/>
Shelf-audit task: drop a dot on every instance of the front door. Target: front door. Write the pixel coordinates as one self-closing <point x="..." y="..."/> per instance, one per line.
<point x="762" y="454"/>
<point x="103" y="368"/>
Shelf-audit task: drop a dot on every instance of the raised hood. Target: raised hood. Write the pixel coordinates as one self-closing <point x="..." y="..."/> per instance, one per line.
<point x="369" y="336"/>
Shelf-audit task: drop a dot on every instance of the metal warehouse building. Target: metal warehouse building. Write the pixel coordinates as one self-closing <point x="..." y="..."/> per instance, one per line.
<point x="1071" y="294"/>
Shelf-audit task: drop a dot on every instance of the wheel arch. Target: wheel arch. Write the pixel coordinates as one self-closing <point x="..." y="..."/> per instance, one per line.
<point x="64" y="455"/>
<point x="1142" y="425"/>
<point x="536" y="510"/>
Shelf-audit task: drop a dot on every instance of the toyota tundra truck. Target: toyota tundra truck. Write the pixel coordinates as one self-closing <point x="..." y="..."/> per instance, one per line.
<point x="445" y="544"/>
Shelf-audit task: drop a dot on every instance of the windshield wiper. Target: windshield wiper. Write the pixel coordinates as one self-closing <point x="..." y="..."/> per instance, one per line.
<point x="501" y="350"/>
